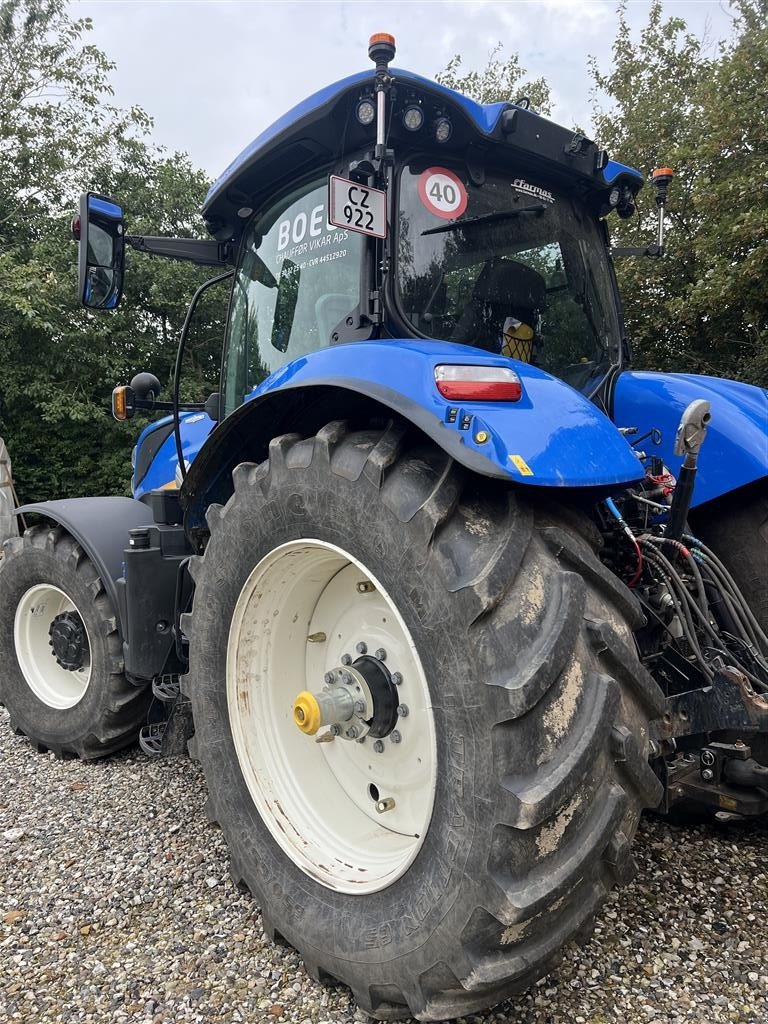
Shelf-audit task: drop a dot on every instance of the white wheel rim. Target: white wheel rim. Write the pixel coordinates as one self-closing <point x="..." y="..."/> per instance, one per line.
<point x="314" y="797"/>
<point x="54" y="685"/>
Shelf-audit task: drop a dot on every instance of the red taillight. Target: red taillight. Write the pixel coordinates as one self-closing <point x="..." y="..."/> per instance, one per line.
<point x="76" y="228"/>
<point x="478" y="383"/>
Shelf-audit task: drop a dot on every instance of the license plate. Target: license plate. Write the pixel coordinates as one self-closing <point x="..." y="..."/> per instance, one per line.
<point x="357" y="207"/>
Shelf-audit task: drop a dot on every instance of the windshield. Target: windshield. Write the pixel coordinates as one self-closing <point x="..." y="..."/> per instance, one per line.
<point x="297" y="277"/>
<point x="511" y="266"/>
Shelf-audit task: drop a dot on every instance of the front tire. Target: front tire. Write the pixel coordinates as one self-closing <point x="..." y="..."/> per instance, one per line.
<point x="539" y="708"/>
<point x="62" y="675"/>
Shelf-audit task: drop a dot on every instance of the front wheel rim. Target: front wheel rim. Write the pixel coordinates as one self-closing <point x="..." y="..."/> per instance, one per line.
<point x="304" y="607"/>
<point x="54" y="685"/>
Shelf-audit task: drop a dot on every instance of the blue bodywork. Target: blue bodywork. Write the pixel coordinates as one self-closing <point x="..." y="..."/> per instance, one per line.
<point x="161" y="472"/>
<point x="560" y="436"/>
<point x="553" y="436"/>
<point x="735" y="452"/>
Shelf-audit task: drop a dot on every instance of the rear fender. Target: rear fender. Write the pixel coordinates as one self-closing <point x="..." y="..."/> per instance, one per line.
<point x="735" y="452"/>
<point x="553" y="437"/>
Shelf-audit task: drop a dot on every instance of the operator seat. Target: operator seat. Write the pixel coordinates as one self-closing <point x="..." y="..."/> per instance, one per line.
<point x="502" y="314"/>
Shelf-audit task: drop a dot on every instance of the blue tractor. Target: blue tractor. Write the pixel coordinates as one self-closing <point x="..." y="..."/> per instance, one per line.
<point x="438" y="590"/>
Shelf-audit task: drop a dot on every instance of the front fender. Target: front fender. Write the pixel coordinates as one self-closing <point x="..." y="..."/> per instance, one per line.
<point x="552" y="437"/>
<point x="735" y="452"/>
<point x="100" y="526"/>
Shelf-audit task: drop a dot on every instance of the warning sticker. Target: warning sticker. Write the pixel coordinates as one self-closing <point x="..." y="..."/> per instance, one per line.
<point x="442" y="192"/>
<point x="522" y="465"/>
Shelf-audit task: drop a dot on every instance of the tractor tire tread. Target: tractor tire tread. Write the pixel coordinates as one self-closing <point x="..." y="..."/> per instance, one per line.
<point x="564" y="826"/>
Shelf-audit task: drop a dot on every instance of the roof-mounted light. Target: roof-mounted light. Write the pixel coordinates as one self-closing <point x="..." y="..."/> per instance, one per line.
<point x="366" y="111"/>
<point x="413" y="117"/>
<point x="443" y="129"/>
<point x="478" y="383"/>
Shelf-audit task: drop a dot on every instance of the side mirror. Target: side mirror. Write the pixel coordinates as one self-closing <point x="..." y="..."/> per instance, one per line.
<point x="101" y="252"/>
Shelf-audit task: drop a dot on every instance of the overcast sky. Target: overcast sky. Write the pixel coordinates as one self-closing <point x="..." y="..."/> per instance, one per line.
<point x="214" y="73"/>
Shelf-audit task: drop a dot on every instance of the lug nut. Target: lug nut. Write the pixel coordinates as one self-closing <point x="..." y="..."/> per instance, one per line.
<point x="707" y="775"/>
<point x="365" y="587"/>
<point x="346" y="659"/>
<point x="352" y="732"/>
<point x="397" y="678"/>
<point x="335" y="729"/>
<point x="378" y="746"/>
<point x="330" y="677"/>
<point x="361" y="739"/>
<point x="359" y="707"/>
<point x="402" y="710"/>
<point x="381" y="654"/>
<point x="387" y="804"/>
<point x="395" y="736"/>
<point x="362" y="648"/>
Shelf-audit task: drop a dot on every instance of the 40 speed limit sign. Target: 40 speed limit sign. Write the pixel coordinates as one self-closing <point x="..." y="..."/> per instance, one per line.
<point x="442" y="192"/>
<point x="357" y="207"/>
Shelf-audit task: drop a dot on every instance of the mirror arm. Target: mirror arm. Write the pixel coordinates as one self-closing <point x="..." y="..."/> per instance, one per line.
<point x="153" y="406"/>
<point x="206" y="253"/>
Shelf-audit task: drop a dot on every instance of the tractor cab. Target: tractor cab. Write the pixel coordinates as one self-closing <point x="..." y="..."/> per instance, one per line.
<point x="397" y="208"/>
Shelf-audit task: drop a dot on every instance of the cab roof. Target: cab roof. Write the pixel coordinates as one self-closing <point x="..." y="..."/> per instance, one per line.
<point x="324" y="128"/>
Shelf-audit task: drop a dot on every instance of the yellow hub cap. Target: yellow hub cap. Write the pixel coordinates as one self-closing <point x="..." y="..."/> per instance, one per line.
<point x="306" y="713"/>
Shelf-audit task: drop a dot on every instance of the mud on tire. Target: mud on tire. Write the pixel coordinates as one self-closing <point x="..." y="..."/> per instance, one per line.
<point x="112" y="710"/>
<point x="541" y="710"/>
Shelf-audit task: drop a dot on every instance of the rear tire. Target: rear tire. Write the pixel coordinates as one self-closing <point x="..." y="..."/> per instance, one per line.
<point x="87" y="712"/>
<point x="736" y="529"/>
<point x="541" y="715"/>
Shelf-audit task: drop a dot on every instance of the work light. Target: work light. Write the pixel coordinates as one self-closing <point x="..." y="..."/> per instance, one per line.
<point x="366" y="112"/>
<point x="413" y="118"/>
<point x="443" y="129"/>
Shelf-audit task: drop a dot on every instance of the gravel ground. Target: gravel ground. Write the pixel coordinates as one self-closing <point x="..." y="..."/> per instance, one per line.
<point x="116" y="905"/>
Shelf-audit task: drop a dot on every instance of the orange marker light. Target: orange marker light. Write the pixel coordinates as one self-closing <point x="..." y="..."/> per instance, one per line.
<point x="120" y="408"/>
<point x="662" y="172"/>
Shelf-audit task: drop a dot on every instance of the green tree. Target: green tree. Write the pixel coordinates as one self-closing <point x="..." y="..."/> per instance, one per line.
<point x="704" y="307"/>
<point x="502" y="80"/>
<point x="59" y="134"/>
<point x="731" y="198"/>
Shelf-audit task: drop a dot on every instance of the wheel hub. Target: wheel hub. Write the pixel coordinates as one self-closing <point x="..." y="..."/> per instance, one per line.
<point x="68" y="640"/>
<point x="358" y="700"/>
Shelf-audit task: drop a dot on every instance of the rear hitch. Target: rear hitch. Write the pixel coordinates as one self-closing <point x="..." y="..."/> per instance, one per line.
<point x="724" y="776"/>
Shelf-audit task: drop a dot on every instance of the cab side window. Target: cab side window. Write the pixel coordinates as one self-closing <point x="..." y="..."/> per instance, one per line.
<point x="298" y="276"/>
